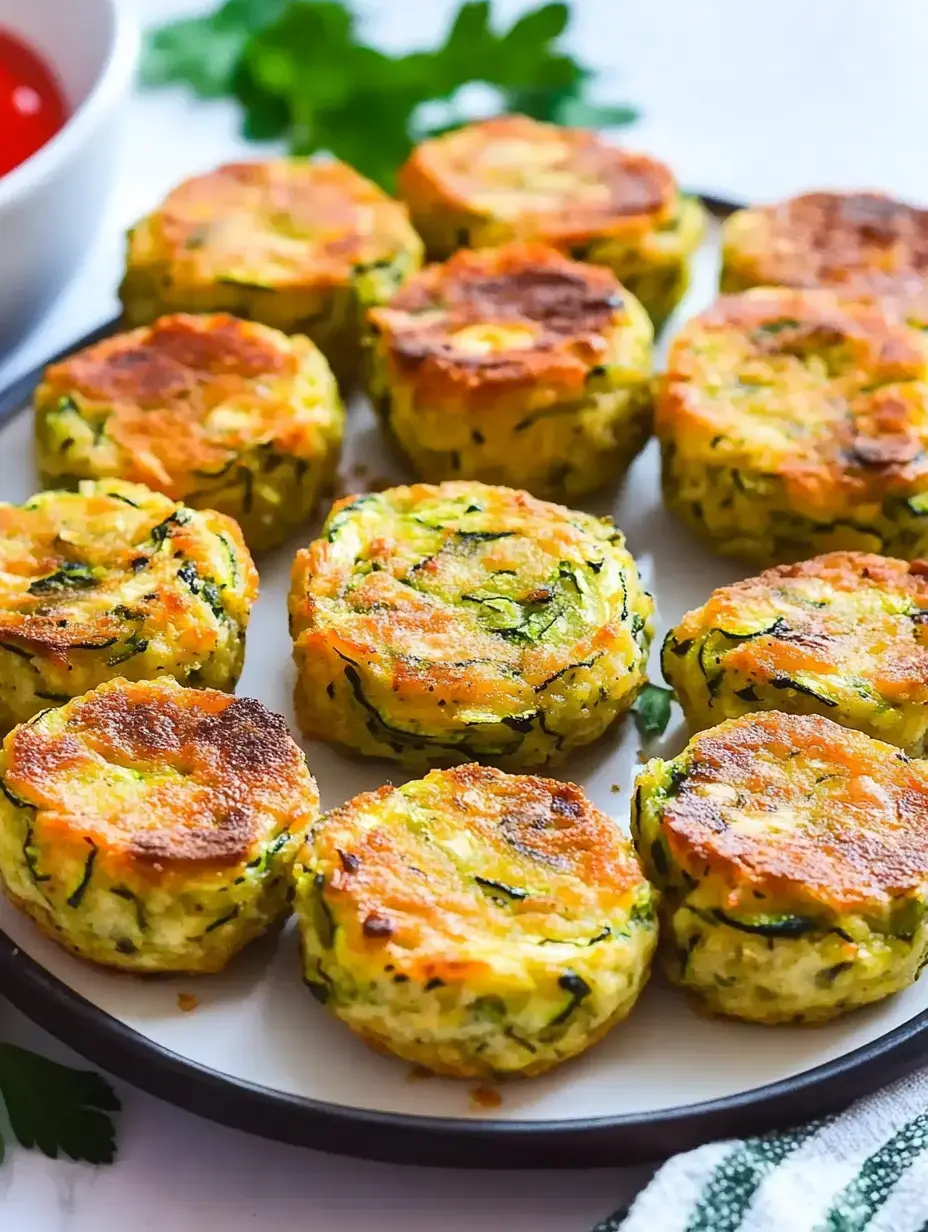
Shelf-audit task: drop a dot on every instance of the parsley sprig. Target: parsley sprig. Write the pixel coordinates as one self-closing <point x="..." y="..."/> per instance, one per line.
<point x="56" y="1109"/>
<point x="651" y="710"/>
<point x="303" y="73"/>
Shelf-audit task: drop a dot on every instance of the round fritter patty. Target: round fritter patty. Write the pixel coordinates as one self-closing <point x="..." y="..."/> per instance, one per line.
<point x="793" y="857"/>
<point x="475" y="922"/>
<point x="795" y="422"/>
<point x="442" y="624"/>
<point x="515" y="365"/>
<point x="513" y="178"/>
<point x="302" y="246"/>
<point x="152" y="827"/>
<point x="115" y="580"/>
<point x="843" y="635"/>
<point x="859" y="241"/>
<point x="220" y="413"/>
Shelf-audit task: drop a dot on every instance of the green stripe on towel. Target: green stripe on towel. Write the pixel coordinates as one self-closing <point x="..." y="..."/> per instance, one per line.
<point x="730" y="1189"/>
<point x="861" y="1198"/>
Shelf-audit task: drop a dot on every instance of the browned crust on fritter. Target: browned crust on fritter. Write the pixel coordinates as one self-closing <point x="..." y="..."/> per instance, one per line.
<point x="870" y="445"/>
<point x="388" y="622"/>
<point x="176" y="360"/>
<point x="570" y="307"/>
<point x="232" y="759"/>
<point x="816" y="639"/>
<point x="850" y="571"/>
<point x="549" y="821"/>
<point x="39" y="624"/>
<point x="158" y="384"/>
<point x="54" y="638"/>
<point x="545" y="821"/>
<point x="865" y="840"/>
<point x="860" y="240"/>
<point x="407" y="896"/>
<point x="641" y="190"/>
<point x="327" y="202"/>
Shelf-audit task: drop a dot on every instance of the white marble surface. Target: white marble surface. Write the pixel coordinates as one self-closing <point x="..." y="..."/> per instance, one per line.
<point x="745" y="97"/>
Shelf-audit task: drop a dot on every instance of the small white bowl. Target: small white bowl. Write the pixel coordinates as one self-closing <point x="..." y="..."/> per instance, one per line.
<point x="51" y="204"/>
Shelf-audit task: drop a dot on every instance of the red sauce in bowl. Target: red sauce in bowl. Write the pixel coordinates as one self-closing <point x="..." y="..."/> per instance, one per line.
<point x="32" y="107"/>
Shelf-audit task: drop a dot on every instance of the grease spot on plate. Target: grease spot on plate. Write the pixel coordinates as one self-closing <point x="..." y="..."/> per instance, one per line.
<point x="485" y="1097"/>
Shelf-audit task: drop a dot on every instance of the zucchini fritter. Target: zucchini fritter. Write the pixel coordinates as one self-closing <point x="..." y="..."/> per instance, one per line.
<point x="861" y="242"/>
<point x="302" y="246"/>
<point x="115" y="580"/>
<point x="793" y="858"/>
<point x="435" y="625"/>
<point x="152" y="827"/>
<point x="515" y="365"/>
<point x="795" y="422"/>
<point x="513" y="178"/>
<point x="843" y="635"/>
<point x="475" y="922"/>
<point x="220" y="413"/>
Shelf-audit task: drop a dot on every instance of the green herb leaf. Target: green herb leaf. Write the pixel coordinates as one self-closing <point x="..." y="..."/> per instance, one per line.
<point x="266" y="117"/>
<point x="204" y="52"/>
<point x="575" y="111"/>
<point x="301" y="71"/>
<point x="57" y="1109"/>
<point x="652" y="710"/>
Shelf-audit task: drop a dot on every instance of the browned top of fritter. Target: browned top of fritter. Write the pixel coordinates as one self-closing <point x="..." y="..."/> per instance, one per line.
<point x="798" y="808"/>
<point x="103" y="537"/>
<point x="187" y="394"/>
<point x="285" y="223"/>
<point x="425" y="868"/>
<point x="846" y="616"/>
<point x="522" y="313"/>
<point x="861" y="241"/>
<point x="159" y="776"/>
<point x="823" y="390"/>
<point x="560" y="185"/>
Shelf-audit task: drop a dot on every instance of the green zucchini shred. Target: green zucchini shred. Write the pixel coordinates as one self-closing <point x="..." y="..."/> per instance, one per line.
<point x="500" y="888"/>
<point x="323" y="920"/>
<point x="135" y="645"/>
<point x="76" y="897"/>
<point x="13" y="799"/>
<point x="578" y="989"/>
<point x="769" y="926"/>
<point x="225" y="919"/>
<point x="72" y="575"/>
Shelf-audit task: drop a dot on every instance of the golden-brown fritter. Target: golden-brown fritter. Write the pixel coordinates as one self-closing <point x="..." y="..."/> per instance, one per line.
<point x="515" y="365"/>
<point x="438" y="624"/>
<point x="861" y="242"/>
<point x="844" y="635"/>
<point x="302" y="246"/>
<point x="152" y="827"/>
<point x="116" y="580"/>
<point x="475" y="922"/>
<point x="793" y="856"/>
<point x="514" y="178"/>
<point x="794" y="422"/>
<point x="220" y="413"/>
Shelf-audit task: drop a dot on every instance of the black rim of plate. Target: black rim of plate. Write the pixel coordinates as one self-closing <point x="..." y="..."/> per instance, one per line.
<point x="440" y="1141"/>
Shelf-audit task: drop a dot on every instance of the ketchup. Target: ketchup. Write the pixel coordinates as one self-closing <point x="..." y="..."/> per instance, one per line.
<point x="32" y="107"/>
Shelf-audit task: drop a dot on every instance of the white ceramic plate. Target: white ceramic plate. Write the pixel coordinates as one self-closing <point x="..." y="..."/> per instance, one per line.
<point x="258" y="1052"/>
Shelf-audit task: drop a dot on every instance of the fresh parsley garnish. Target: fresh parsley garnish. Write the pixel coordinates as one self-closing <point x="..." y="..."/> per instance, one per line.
<point x="652" y="710"/>
<point x="56" y="1109"/>
<point x="303" y="72"/>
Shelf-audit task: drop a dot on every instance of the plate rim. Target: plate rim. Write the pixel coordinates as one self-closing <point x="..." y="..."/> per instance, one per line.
<point x="394" y="1137"/>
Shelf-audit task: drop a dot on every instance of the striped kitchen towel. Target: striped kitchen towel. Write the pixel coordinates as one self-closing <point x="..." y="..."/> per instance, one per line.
<point x="863" y="1171"/>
